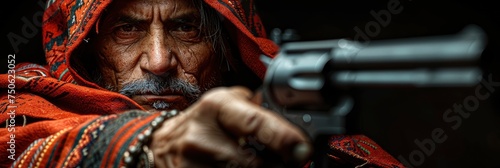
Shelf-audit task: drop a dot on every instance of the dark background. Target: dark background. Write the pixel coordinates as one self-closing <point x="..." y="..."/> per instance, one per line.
<point x="394" y="118"/>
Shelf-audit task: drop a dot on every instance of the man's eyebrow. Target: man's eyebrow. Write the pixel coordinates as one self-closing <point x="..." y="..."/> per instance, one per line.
<point x="129" y="19"/>
<point x="188" y="17"/>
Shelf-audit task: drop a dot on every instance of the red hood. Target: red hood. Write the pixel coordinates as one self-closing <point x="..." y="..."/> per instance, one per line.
<point x="66" y="23"/>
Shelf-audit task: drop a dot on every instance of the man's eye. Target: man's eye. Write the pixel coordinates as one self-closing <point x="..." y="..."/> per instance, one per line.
<point x="127" y="28"/>
<point x="127" y="33"/>
<point x="187" y="32"/>
<point x="188" y="28"/>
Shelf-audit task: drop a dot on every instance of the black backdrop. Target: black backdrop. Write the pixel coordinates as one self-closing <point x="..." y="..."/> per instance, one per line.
<point x="405" y="121"/>
<point x="399" y="120"/>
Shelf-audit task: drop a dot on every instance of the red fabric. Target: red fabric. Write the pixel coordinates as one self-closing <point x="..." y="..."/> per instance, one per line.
<point x="44" y="106"/>
<point x="360" y="150"/>
<point x="54" y="103"/>
<point x="248" y="32"/>
<point x="66" y="23"/>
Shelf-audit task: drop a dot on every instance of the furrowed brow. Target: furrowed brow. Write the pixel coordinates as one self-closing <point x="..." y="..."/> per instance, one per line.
<point x="191" y="17"/>
<point x="130" y="19"/>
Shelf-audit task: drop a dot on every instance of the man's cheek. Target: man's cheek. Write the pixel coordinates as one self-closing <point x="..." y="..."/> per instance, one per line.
<point x="191" y="78"/>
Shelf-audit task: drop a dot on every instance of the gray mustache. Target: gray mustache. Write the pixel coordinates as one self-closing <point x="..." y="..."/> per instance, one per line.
<point x="156" y="85"/>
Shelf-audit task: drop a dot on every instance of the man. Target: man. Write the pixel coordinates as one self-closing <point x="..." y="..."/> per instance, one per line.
<point x="117" y="72"/>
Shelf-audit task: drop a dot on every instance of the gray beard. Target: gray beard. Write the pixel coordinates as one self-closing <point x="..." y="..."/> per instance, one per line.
<point x="157" y="85"/>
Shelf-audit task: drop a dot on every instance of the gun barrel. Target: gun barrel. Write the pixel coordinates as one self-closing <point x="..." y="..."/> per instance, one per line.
<point x="306" y="73"/>
<point x="417" y="78"/>
<point x="463" y="49"/>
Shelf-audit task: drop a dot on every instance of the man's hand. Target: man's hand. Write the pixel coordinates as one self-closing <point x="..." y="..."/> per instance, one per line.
<point x="217" y="130"/>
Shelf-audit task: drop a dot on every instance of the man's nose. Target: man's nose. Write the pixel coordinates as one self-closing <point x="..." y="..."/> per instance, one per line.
<point x="159" y="55"/>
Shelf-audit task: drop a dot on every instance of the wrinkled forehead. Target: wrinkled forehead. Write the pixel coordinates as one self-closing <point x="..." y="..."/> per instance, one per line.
<point x="152" y="8"/>
<point x="145" y="3"/>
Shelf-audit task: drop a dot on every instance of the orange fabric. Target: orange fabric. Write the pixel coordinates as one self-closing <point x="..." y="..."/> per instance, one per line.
<point x="65" y="25"/>
<point x="43" y="106"/>
<point x="252" y="44"/>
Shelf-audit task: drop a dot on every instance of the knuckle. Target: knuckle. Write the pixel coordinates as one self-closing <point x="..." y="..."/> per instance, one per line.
<point x="253" y="120"/>
<point x="215" y="97"/>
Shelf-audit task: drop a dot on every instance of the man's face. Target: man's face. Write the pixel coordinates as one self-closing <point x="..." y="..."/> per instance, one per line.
<point x="155" y="52"/>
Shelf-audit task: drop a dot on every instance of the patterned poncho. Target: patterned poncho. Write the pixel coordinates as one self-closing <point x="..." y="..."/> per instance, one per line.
<point x="56" y="118"/>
